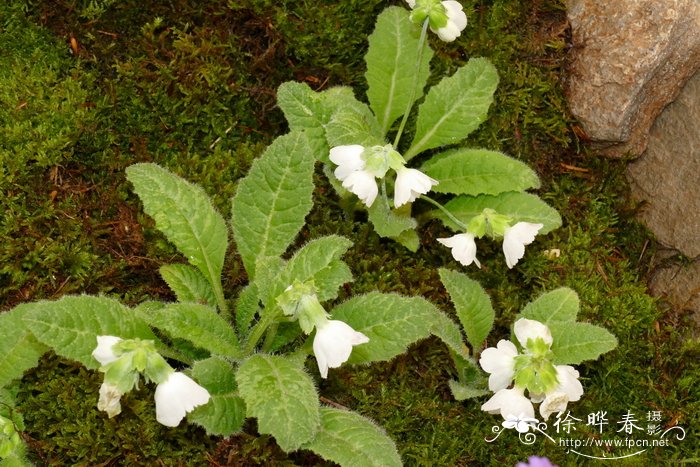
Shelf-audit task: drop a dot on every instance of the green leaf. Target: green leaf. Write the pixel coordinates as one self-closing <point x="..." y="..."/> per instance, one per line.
<point x="409" y="239"/>
<point x="352" y="440"/>
<point x="479" y="171"/>
<point x="224" y="414"/>
<point x="455" y="107"/>
<point x="462" y="391"/>
<point x="391" y="65"/>
<point x="198" y="324"/>
<point x="273" y="200"/>
<point x="282" y="397"/>
<point x="472" y="305"/>
<point x="353" y="125"/>
<point x="319" y="260"/>
<point x="558" y="305"/>
<point x="448" y="332"/>
<point x="19" y="348"/>
<point x="215" y="374"/>
<point x="70" y="326"/>
<point x="247" y="305"/>
<point x="390" y="321"/>
<point x="306" y="110"/>
<point x="185" y="214"/>
<point x="522" y="207"/>
<point x="188" y="284"/>
<point x="389" y="222"/>
<point x="573" y="343"/>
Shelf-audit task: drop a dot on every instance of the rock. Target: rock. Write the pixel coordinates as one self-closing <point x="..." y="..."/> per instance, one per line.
<point x="667" y="176"/>
<point x="630" y="58"/>
<point x="679" y="286"/>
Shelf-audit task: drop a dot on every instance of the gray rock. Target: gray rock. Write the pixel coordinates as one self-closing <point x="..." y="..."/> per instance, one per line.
<point x="667" y="177"/>
<point x="679" y="286"/>
<point x="630" y="58"/>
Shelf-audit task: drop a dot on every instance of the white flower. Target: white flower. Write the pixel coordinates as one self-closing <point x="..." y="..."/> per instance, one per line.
<point x="362" y="184"/>
<point x="456" y="18"/>
<point x="177" y="396"/>
<point x="456" y="21"/>
<point x="351" y="172"/>
<point x="463" y="248"/>
<point x="515" y="238"/>
<point x="521" y="423"/>
<point x="568" y="390"/>
<point x="109" y="400"/>
<point x="526" y="329"/>
<point x="509" y="402"/>
<point x="333" y="344"/>
<point x="348" y="159"/>
<point x="411" y="183"/>
<point x="103" y="353"/>
<point x="500" y="362"/>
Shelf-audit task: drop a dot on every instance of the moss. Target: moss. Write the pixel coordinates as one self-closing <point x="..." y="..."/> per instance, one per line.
<point x="58" y="401"/>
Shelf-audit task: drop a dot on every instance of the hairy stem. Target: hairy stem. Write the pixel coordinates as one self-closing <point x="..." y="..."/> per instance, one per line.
<point x="442" y="208"/>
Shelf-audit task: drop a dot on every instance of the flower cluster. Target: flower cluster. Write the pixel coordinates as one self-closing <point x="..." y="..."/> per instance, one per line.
<point x="359" y="167"/>
<point x="515" y="237"/>
<point x="553" y="387"/>
<point x="334" y="339"/>
<point x="123" y="360"/>
<point x="446" y="18"/>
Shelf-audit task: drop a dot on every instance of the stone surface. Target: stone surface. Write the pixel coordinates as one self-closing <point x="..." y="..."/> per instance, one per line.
<point x="630" y="58"/>
<point x="667" y="177"/>
<point x="679" y="286"/>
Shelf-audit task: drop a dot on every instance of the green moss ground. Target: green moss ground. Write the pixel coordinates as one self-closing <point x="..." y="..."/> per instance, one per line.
<point x="190" y="85"/>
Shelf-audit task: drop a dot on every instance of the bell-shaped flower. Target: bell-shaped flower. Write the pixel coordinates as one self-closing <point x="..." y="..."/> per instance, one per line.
<point x="362" y="184"/>
<point x="333" y="344"/>
<point x="348" y="159"/>
<point x="104" y="352"/>
<point x="456" y="21"/>
<point x="568" y="390"/>
<point x="510" y="403"/>
<point x="530" y="330"/>
<point x="110" y="400"/>
<point x="176" y="397"/>
<point x="351" y="171"/>
<point x="515" y="238"/>
<point x="446" y="18"/>
<point x="499" y="361"/>
<point x="411" y="183"/>
<point x="463" y="248"/>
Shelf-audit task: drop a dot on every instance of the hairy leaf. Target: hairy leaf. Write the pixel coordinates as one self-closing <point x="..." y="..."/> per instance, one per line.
<point x="351" y="440"/>
<point x="184" y="213"/>
<point x="573" y="343"/>
<point x="70" y="326"/>
<point x="224" y="414"/>
<point x="472" y="305"/>
<point x="188" y="284"/>
<point x="198" y="324"/>
<point x="558" y="305"/>
<point x="273" y="200"/>
<point x="19" y="348"/>
<point x="454" y="107"/>
<point x="390" y="321"/>
<point x="391" y="65"/>
<point x="479" y="171"/>
<point x="282" y="397"/>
